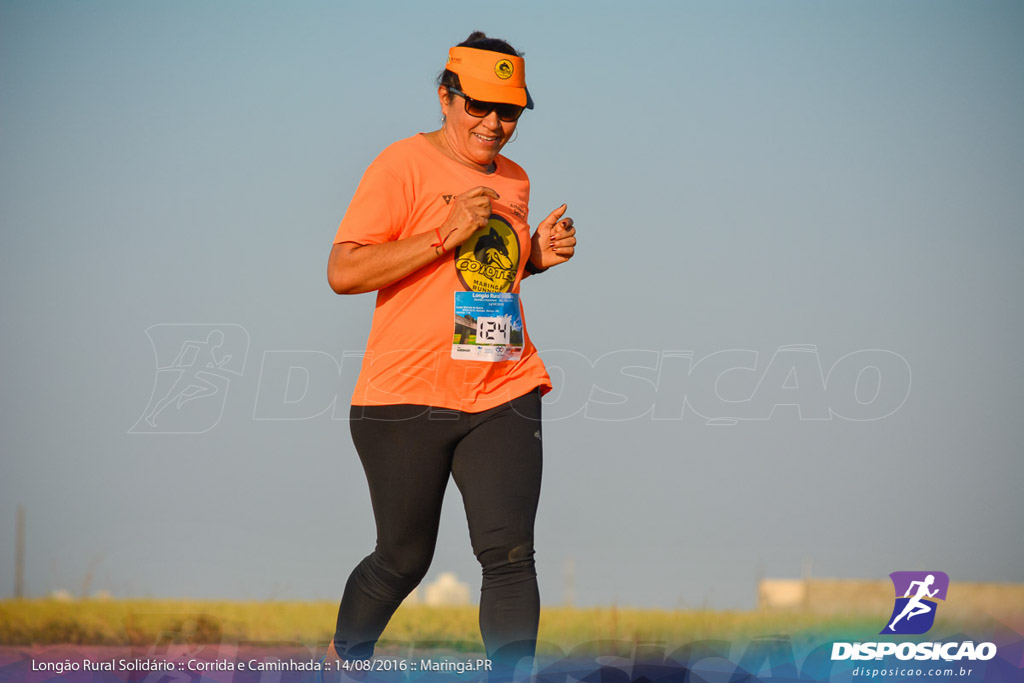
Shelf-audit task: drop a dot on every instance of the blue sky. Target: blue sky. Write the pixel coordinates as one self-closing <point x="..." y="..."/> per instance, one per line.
<point x="842" y="178"/>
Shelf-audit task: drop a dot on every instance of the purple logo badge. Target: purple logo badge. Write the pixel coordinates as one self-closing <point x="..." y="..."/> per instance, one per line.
<point x="916" y="596"/>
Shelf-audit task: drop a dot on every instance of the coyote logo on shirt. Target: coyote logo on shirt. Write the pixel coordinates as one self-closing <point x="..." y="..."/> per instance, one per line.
<point x="488" y="261"/>
<point x="492" y="250"/>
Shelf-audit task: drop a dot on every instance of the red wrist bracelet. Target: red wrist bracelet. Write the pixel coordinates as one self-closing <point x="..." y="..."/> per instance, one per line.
<point x="440" y="241"/>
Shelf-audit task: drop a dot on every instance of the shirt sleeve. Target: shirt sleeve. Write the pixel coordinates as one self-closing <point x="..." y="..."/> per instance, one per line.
<point x="378" y="211"/>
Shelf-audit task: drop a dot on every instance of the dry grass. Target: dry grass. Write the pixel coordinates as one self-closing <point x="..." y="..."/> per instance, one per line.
<point x="141" y="622"/>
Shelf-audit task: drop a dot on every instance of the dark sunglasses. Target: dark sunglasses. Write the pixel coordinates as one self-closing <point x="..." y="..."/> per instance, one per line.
<point x="477" y="109"/>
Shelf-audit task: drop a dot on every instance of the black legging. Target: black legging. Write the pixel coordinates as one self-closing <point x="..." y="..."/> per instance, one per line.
<point x="408" y="453"/>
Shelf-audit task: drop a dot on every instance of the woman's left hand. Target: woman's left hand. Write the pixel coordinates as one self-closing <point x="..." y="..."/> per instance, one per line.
<point x="555" y="240"/>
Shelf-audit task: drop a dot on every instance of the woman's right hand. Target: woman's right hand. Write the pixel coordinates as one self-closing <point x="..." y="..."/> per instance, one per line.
<point x="470" y="211"/>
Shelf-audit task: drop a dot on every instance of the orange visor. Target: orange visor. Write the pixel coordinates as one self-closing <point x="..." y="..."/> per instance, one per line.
<point x="490" y="76"/>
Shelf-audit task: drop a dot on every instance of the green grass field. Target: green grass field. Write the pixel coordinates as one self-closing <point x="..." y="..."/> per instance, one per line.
<point x="141" y="622"/>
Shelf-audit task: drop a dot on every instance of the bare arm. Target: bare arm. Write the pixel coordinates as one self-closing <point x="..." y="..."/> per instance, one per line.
<point x="356" y="268"/>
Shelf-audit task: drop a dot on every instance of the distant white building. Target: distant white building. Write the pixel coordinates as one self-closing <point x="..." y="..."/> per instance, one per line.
<point x="447" y="590"/>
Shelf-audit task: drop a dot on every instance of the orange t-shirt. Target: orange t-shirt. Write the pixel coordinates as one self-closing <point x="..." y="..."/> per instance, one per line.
<point x="407" y="191"/>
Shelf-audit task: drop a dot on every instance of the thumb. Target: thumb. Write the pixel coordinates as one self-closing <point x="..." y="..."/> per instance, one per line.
<point x="554" y="216"/>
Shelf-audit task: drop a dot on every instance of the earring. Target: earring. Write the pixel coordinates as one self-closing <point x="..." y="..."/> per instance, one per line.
<point x="443" y="119"/>
<point x="514" y="136"/>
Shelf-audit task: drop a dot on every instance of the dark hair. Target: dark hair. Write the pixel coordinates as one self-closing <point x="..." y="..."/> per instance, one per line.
<point x="477" y="40"/>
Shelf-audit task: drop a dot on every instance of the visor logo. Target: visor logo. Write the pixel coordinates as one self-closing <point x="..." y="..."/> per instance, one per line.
<point x="503" y="69"/>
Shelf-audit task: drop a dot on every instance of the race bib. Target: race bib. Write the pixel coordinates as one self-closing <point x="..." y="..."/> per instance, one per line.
<point x="488" y="326"/>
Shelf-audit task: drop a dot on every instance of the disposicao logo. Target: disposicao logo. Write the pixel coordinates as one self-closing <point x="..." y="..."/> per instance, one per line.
<point x="914" y="612"/>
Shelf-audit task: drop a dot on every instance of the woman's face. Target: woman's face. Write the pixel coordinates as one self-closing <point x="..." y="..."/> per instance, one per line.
<point x="473" y="140"/>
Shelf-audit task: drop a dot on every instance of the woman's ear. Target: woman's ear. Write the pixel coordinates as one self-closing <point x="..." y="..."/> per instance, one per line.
<point x="442" y="95"/>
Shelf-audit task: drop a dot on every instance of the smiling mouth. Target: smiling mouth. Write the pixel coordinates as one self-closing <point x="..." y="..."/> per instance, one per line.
<point x="486" y="138"/>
